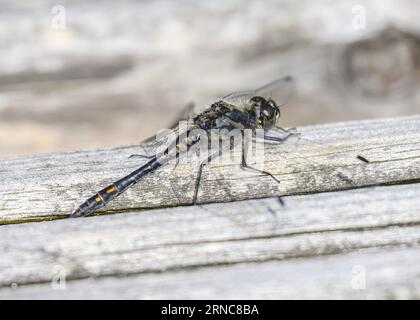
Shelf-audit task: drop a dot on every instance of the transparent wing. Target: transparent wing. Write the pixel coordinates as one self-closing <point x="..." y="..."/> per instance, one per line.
<point x="163" y="139"/>
<point x="239" y="98"/>
<point x="280" y="90"/>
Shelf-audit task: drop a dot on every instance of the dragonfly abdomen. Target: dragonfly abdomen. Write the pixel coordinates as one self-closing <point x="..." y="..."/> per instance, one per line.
<point x="115" y="189"/>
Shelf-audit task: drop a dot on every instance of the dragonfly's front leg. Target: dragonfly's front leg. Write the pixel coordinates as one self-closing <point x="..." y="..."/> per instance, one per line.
<point x="278" y="140"/>
<point x="291" y="130"/>
<point x="244" y="164"/>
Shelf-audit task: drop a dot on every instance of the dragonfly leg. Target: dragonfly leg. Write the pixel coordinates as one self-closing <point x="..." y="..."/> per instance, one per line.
<point x="245" y="165"/>
<point x="291" y="130"/>
<point x="280" y="139"/>
<point x="200" y="169"/>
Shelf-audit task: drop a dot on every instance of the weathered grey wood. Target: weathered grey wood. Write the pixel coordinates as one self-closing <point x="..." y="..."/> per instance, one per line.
<point x="383" y="274"/>
<point x="54" y="98"/>
<point x="52" y="185"/>
<point x="187" y="238"/>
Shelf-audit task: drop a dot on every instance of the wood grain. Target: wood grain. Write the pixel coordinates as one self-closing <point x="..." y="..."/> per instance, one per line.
<point x="324" y="159"/>
<point x="191" y="238"/>
<point x="388" y="274"/>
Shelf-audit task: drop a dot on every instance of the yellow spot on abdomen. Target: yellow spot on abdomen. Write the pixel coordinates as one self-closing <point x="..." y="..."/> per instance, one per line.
<point x="111" y="190"/>
<point x="98" y="199"/>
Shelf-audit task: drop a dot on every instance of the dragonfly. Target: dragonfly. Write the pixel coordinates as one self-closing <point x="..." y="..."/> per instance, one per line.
<point x="254" y="109"/>
<point x="244" y="110"/>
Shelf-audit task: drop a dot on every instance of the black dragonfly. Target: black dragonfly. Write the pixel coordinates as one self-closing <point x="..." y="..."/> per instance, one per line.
<point x="244" y="110"/>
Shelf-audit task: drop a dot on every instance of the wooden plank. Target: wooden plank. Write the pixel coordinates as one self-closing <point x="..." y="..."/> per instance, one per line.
<point x="53" y="185"/>
<point x="181" y="238"/>
<point x="383" y="274"/>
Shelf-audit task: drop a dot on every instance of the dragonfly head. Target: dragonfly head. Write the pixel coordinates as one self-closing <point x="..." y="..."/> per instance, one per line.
<point x="266" y="111"/>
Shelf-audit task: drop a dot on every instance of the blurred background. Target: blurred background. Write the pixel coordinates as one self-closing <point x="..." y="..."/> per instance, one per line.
<point x="93" y="74"/>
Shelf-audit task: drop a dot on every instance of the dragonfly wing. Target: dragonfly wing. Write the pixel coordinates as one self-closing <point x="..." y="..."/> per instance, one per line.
<point x="184" y="115"/>
<point x="159" y="142"/>
<point x="238" y="95"/>
<point x="168" y="140"/>
<point x="239" y="98"/>
<point x="280" y="90"/>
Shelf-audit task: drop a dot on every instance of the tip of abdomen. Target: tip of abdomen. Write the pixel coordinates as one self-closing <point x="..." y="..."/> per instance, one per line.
<point x="78" y="213"/>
